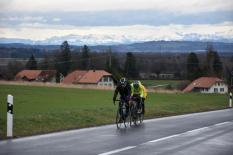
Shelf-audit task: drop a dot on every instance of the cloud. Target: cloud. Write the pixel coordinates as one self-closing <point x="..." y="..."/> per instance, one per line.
<point x="174" y="6"/>
<point x="56" y="19"/>
<point x="19" y="19"/>
<point x="115" y="18"/>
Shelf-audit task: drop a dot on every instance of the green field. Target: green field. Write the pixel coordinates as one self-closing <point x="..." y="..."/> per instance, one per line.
<point x="45" y="109"/>
<point x="150" y="83"/>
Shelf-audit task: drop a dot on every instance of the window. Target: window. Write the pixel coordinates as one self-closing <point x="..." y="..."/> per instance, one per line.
<point x="215" y="90"/>
<point x="221" y="89"/>
<point x="105" y="79"/>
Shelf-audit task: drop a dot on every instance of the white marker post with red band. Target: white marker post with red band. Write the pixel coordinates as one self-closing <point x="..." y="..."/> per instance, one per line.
<point x="230" y="100"/>
<point x="9" y="116"/>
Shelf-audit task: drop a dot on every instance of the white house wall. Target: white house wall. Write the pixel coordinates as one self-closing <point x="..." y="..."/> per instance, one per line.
<point x="217" y="86"/>
<point x="106" y="81"/>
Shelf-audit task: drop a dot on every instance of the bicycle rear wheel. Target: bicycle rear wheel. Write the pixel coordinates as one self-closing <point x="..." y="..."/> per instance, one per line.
<point x="135" y="115"/>
<point x="141" y="117"/>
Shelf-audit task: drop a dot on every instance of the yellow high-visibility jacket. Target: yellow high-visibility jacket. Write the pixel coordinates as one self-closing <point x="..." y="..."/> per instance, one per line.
<point x="142" y="91"/>
<point x="138" y="91"/>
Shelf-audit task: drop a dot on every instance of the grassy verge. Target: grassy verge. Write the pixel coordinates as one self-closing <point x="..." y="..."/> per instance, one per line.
<point x="43" y="109"/>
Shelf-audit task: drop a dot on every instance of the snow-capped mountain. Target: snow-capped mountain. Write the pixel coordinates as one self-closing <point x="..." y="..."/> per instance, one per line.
<point x="92" y="39"/>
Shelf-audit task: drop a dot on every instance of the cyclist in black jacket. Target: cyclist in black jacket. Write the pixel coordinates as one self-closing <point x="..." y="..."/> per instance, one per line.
<point x="123" y="87"/>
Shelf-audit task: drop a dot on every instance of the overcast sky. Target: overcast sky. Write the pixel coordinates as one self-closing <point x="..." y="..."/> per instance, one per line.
<point x="167" y="19"/>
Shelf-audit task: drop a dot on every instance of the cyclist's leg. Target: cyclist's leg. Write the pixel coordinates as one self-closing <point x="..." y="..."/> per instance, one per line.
<point x="120" y="108"/>
<point x="127" y="100"/>
<point x="123" y="101"/>
<point x="143" y="105"/>
<point x="139" y="103"/>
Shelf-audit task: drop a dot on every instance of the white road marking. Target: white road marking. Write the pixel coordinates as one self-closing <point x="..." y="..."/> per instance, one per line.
<point x="154" y="141"/>
<point x="164" y="138"/>
<point x="118" y="150"/>
<point x="197" y="130"/>
<point x="223" y="123"/>
<point x="187" y="132"/>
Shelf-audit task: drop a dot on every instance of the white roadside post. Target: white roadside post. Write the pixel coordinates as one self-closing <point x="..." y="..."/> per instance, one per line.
<point x="9" y="116"/>
<point x="230" y="100"/>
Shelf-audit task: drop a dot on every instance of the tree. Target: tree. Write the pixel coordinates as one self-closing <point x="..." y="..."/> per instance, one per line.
<point x="13" y="67"/>
<point x="130" y="66"/>
<point x="85" y="57"/>
<point x="45" y="63"/>
<point x="213" y="66"/>
<point x="217" y="65"/>
<point x="193" y="69"/>
<point x="32" y="63"/>
<point x="113" y="66"/>
<point x="109" y="57"/>
<point x="63" y="60"/>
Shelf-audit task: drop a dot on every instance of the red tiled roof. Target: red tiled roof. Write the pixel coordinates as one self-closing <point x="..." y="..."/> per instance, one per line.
<point x="74" y="77"/>
<point x="85" y="77"/>
<point x="202" y="82"/>
<point x="33" y="74"/>
<point x="93" y="76"/>
<point x="29" y="74"/>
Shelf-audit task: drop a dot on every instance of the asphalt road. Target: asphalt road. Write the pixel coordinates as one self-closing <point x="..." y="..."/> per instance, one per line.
<point x="207" y="133"/>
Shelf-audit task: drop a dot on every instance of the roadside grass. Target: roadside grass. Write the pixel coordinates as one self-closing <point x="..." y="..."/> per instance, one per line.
<point x="40" y="110"/>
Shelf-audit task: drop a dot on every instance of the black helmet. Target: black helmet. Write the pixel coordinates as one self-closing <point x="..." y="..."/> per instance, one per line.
<point x="123" y="81"/>
<point x="136" y="84"/>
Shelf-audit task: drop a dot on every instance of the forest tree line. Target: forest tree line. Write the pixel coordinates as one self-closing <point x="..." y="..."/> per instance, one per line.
<point x="132" y="65"/>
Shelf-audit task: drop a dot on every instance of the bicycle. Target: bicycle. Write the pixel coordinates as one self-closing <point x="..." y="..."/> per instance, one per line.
<point x="122" y="115"/>
<point x="135" y="117"/>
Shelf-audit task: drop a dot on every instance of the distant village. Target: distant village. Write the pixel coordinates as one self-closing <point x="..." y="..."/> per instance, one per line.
<point x="101" y="78"/>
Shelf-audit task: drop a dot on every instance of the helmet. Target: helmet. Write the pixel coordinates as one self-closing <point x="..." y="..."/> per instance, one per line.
<point x="136" y="84"/>
<point x="123" y="82"/>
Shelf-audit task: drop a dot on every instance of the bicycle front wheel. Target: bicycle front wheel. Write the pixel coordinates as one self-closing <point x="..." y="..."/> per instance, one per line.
<point x="119" y="121"/>
<point x="127" y="119"/>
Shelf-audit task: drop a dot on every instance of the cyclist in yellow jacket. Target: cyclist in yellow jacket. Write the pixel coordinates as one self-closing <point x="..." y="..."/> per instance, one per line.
<point x="144" y="96"/>
<point x="138" y="93"/>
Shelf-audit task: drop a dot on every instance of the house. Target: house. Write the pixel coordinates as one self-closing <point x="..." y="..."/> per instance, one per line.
<point x="36" y="75"/>
<point x="207" y="85"/>
<point x="90" y="77"/>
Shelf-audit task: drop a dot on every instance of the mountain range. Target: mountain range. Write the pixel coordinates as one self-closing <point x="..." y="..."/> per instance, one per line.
<point x="93" y="39"/>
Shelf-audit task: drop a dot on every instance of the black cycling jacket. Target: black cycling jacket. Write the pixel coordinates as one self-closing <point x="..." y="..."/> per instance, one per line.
<point x="125" y="92"/>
